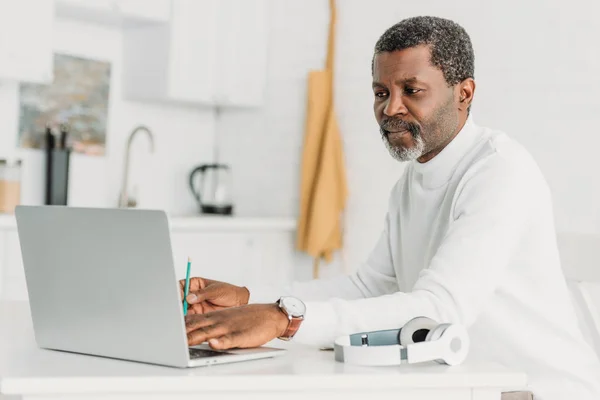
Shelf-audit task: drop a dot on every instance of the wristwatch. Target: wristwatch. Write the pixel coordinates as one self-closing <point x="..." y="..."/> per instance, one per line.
<point x="294" y="309"/>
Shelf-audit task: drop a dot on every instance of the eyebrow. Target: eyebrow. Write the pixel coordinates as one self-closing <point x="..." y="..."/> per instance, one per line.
<point x="412" y="79"/>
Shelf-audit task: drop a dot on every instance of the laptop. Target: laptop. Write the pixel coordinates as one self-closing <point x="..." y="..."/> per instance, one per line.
<point x="102" y="282"/>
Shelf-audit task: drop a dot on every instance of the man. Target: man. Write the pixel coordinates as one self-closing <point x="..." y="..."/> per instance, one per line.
<point x="469" y="235"/>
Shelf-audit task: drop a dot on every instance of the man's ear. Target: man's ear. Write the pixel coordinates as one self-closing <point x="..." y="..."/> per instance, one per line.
<point x="466" y="91"/>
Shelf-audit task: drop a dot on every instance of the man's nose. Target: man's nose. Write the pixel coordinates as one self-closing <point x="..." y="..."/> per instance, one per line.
<point x="395" y="105"/>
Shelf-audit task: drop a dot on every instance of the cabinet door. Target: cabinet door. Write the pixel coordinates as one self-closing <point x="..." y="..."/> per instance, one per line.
<point x="275" y="259"/>
<point x="192" y="51"/>
<point x="95" y="11"/>
<point x="144" y="10"/>
<point x="212" y="52"/>
<point x="222" y="256"/>
<point x="242" y="53"/>
<point x="26" y="32"/>
<point x="92" y="6"/>
<point x="116" y="12"/>
<point x="2" y="262"/>
<point x="14" y="286"/>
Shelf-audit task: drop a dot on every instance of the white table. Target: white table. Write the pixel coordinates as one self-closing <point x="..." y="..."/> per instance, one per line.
<point x="27" y="372"/>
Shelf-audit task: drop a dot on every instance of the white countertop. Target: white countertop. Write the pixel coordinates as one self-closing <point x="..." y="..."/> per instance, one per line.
<point x="27" y="370"/>
<point x="202" y="222"/>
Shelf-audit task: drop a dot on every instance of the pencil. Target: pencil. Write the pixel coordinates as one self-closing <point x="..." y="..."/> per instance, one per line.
<point x="187" y="286"/>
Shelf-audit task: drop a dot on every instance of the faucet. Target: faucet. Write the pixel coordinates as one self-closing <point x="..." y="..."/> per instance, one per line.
<point x="124" y="199"/>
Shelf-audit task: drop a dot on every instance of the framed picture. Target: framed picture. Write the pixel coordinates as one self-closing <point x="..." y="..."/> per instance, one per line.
<point x="78" y="97"/>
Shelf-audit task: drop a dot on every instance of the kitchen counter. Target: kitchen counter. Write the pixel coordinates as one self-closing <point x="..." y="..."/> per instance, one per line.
<point x="201" y="222"/>
<point x="231" y="249"/>
<point x="28" y="372"/>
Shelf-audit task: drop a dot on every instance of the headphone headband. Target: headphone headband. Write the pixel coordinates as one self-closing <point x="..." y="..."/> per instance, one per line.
<point x="444" y="343"/>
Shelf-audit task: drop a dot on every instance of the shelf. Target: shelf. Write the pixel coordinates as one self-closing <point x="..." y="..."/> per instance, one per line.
<point x="232" y="223"/>
<point x="204" y="223"/>
<point x="122" y="13"/>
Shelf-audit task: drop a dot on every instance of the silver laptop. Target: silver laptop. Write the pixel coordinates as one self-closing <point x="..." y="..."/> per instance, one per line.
<point x="102" y="282"/>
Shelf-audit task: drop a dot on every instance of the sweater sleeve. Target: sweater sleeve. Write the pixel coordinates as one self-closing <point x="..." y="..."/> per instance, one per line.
<point x="491" y="211"/>
<point x="375" y="277"/>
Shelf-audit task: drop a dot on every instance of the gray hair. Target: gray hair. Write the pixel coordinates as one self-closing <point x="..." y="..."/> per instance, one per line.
<point x="451" y="48"/>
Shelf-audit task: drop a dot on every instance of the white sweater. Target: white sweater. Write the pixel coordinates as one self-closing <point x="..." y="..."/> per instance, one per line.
<point x="469" y="237"/>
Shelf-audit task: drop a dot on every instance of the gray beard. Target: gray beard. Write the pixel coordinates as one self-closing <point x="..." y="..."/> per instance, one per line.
<point x="402" y="154"/>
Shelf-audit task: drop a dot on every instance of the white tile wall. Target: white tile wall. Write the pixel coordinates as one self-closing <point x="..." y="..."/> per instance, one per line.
<point x="537" y="77"/>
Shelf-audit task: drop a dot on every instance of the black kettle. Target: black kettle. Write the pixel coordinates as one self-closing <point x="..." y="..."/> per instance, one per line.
<point x="211" y="186"/>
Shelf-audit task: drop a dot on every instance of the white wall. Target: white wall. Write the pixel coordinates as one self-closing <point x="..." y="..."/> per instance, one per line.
<point x="537" y="73"/>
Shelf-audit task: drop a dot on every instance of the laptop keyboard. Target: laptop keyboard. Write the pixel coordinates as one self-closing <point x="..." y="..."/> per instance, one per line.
<point x="201" y="353"/>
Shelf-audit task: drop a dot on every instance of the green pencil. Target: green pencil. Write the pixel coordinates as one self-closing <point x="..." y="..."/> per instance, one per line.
<point x="187" y="286"/>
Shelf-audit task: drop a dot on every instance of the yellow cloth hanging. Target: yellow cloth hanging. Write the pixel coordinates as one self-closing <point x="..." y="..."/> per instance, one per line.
<point x="323" y="189"/>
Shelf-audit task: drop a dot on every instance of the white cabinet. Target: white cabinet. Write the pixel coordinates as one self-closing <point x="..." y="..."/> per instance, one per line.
<point x="221" y="256"/>
<point x="116" y="12"/>
<point x="26" y="31"/>
<point x="145" y="11"/>
<point x="12" y="277"/>
<point x="244" y="252"/>
<point x="242" y="52"/>
<point x="2" y="263"/>
<point x="174" y="62"/>
<point x="213" y="52"/>
<point x="242" y="258"/>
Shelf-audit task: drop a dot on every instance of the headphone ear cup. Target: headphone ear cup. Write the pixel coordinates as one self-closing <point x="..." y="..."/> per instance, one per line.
<point x="457" y="342"/>
<point x="416" y="330"/>
<point x="436" y="332"/>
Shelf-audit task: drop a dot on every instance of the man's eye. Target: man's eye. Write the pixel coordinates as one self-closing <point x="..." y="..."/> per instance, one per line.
<point x="380" y="94"/>
<point x="412" y="91"/>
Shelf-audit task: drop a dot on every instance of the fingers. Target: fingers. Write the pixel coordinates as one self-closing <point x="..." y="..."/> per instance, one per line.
<point x="224" y="342"/>
<point x="237" y="327"/>
<point x="197" y="321"/>
<point x="201" y="328"/>
<point x="204" y="294"/>
<point x="206" y="333"/>
<point x="195" y="309"/>
<point x="195" y="285"/>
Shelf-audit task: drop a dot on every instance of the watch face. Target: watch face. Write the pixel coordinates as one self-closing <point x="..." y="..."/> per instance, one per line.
<point x="293" y="306"/>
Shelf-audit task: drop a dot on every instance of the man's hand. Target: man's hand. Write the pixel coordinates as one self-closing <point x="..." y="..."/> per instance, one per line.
<point x="242" y="327"/>
<point x="206" y="295"/>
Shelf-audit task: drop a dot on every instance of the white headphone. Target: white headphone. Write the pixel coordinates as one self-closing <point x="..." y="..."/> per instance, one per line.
<point x="420" y="339"/>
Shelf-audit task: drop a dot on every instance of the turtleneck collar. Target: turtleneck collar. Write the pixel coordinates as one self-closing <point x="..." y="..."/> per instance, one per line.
<point x="440" y="168"/>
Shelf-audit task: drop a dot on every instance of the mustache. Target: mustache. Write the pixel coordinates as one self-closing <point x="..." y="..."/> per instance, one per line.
<point x="395" y="125"/>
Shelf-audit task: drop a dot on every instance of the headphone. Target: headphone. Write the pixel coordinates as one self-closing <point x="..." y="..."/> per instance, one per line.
<point x="420" y="339"/>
